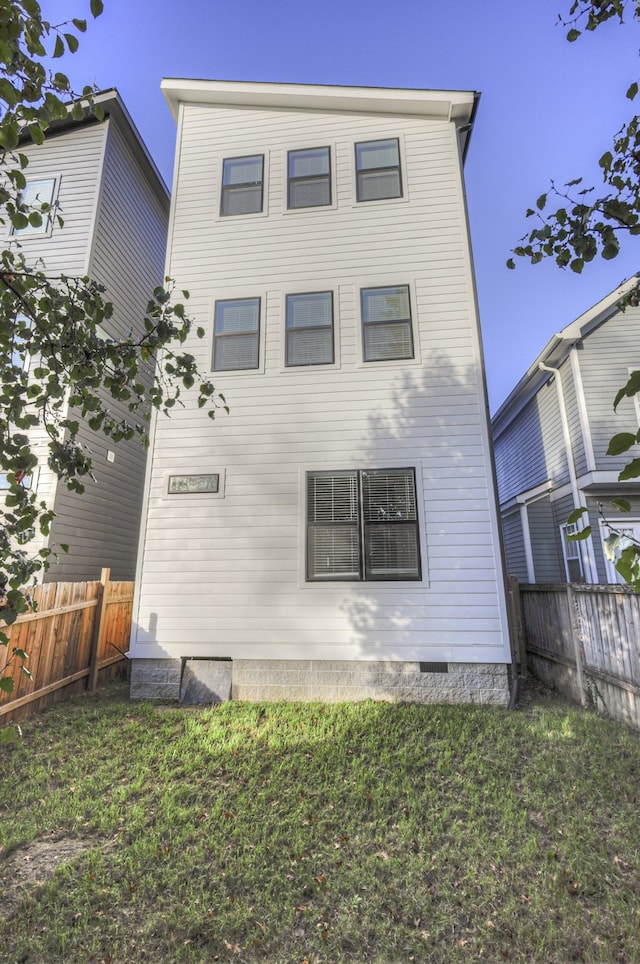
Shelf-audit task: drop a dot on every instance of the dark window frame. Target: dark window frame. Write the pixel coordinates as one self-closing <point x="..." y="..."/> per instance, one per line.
<point x="235" y="334"/>
<point x="229" y="189"/>
<point x="291" y="180"/>
<point x="386" y="322"/>
<point x="309" y="328"/>
<point x="362" y="171"/>
<point x="364" y="526"/>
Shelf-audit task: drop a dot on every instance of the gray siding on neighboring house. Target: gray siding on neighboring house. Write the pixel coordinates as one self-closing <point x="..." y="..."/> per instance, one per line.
<point x="545" y="542"/>
<point x="101" y="525"/>
<point x="516" y="559"/>
<point x="606" y="355"/>
<point x="74" y="157"/>
<point x="530" y="450"/>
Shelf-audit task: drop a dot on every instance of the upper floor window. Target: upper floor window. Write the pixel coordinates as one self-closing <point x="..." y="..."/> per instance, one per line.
<point x="386" y="324"/>
<point x="309" y="178"/>
<point x="242" y="185"/>
<point x="236" y="334"/>
<point x="362" y="525"/>
<point x="38" y="197"/>
<point x="310" y="329"/>
<point x="378" y="170"/>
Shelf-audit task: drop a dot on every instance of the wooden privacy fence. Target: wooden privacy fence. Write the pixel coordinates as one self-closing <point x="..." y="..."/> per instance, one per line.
<point x="585" y="641"/>
<point x="77" y="632"/>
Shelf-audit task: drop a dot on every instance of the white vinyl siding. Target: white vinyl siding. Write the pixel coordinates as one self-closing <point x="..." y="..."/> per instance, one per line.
<point x="226" y="577"/>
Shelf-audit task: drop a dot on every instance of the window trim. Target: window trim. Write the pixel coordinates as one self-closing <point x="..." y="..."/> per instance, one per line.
<point x="399" y="167"/>
<point x="290" y="179"/>
<point x="571" y="554"/>
<point x="320" y="364"/>
<point x="395" y="360"/>
<point x="223" y="192"/>
<point x="417" y="525"/>
<point x="46" y="228"/>
<point x="259" y="367"/>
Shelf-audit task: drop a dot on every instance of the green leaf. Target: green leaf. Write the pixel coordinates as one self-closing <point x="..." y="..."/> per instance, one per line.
<point x="633" y="90"/>
<point x="96" y="7"/>
<point x="580" y="536"/>
<point x="575" y="516"/>
<point x="37" y="135"/>
<point x="620" y="443"/>
<point x="630" y="471"/>
<point x="80" y="25"/>
<point x="540" y="203"/>
<point x="58" y="50"/>
<point x="573" y="34"/>
<point x="72" y="42"/>
<point x="6" y="684"/>
<point x="606" y="160"/>
<point x="623" y="505"/>
<point x="577" y="265"/>
<point x="77" y="111"/>
<point x="511" y="263"/>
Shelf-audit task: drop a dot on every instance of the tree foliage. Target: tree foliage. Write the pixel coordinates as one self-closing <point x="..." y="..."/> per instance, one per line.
<point x="59" y="324"/>
<point x="591" y="222"/>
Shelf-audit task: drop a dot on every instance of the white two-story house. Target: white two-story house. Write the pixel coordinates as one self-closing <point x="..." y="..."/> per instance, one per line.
<point x="335" y="536"/>
<point x="99" y="177"/>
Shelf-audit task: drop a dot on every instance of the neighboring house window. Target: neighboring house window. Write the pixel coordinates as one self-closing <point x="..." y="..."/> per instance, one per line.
<point x="386" y="323"/>
<point x="378" y="173"/>
<point x="362" y="525"/>
<point x="630" y="535"/>
<point x="309" y="178"/>
<point x="242" y="183"/>
<point x="236" y="338"/>
<point x="37" y="196"/>
<point x="572" y="553"/>
<point x="310" y="329"/>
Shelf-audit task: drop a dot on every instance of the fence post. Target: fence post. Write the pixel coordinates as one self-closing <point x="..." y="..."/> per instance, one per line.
<point x="576" y="640"/>
<point x="517" y="625"/>
<point x="98" y="627"/>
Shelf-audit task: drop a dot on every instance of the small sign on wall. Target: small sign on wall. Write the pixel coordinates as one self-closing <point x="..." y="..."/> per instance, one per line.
<point x="194" y="484"/>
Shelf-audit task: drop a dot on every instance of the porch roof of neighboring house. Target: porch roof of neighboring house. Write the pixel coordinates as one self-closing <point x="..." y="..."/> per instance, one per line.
<point x="555" y="352"/>
<point x="458" y="106"/>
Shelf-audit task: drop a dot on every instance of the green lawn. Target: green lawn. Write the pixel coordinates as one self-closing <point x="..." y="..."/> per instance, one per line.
<point x="369" y="832"/>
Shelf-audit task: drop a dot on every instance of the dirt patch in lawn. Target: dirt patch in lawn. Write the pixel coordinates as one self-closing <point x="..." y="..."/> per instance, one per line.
<point x="26" y="868"/>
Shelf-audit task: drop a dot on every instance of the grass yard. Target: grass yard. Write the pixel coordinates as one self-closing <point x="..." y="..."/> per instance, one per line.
<point x="370" y="832"/>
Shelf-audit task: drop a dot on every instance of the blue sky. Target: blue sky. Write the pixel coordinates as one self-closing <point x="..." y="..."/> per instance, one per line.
<point x="548" y="110"/>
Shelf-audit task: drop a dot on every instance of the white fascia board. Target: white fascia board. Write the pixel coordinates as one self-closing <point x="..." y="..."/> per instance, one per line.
<point x="450" y="105"/>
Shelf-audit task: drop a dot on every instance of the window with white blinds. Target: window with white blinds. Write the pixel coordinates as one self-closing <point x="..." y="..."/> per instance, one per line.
<point x="378" y="170"/>
<point x="242" y="185"/>
<point x="236" y="334"/>
<point x="309" y="326"/>
<point x="386" y="324"/>
<point x="309" y="178"/>
<point x="362" y="525"/>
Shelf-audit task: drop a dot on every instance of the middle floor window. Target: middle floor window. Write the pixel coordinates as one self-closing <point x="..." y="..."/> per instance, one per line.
<point x="362" y="525"/>
<point x="310" y="329"/>
<point x="386" y="324"/>
<point x="236" y="334"/>
<point x="309" y="178"/>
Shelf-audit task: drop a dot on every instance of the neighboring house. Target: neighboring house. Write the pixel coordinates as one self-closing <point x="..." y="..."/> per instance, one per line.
<point x="336" y="535"/>
<point x="551" y="436"/>
<point x="115" y="208"/>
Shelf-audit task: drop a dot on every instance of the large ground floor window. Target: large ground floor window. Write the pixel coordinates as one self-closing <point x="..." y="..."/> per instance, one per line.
<point x="362" y="525"/>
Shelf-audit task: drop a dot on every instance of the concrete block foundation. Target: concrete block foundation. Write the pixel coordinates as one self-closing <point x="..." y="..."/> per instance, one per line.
<point x="332" y="681"/>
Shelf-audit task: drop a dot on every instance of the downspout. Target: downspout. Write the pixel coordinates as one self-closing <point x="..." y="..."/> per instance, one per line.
<point x="573" y="479"/>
